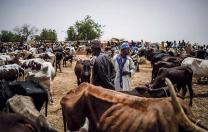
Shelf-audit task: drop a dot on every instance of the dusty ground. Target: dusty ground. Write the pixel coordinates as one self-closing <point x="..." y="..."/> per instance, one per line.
<point x="67" y="80"/>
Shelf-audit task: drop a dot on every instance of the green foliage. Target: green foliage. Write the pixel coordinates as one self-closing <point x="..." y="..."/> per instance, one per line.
<point x="48" y="34"/>
<point x="25" y="31"/>
<point x="8" y="36"/>
<point x="71" y="33"/>
<point x="86" y="29"/>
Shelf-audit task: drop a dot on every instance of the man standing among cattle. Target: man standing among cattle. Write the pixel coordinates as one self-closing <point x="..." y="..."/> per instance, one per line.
<point x="124" y="67"/>
<point x="103" y="70"/>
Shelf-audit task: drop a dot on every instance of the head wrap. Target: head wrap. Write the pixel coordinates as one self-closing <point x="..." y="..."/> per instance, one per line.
<point x="124" y="46"/>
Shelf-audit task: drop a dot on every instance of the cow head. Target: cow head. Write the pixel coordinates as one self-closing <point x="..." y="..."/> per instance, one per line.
<point x="74" y="107"/>
<point x="44" y="125"/>
<point x="160" y="79"/>
<point x="86" y="68"/>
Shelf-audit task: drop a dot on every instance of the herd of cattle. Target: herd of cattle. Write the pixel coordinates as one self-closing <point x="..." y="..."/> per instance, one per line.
<point x="26" y="85"/>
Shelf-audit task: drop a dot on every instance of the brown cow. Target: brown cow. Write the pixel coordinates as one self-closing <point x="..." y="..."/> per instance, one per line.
<point x="108" y="110"/>
<point x="82" y="70"/>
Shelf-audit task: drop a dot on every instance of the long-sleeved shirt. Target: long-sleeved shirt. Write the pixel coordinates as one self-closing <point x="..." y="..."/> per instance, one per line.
<point x="103" y="72"/>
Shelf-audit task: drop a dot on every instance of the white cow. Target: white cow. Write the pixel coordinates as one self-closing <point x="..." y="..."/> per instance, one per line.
<point x="4" y="59"/>
<point x="40" y="71"/>
<point x="198" y="66"/>
<point x="51" y="57"/>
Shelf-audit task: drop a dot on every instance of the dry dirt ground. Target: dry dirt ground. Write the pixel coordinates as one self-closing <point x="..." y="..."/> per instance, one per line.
<point x="67" y="80"/>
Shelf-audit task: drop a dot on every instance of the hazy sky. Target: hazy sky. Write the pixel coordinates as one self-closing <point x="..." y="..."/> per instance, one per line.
<point x="153" y="20"/>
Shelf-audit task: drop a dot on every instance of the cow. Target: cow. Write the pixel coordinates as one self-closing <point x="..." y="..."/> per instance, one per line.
<point x="162" y="64"/>
<point x="136" y="61"/>
<point x="181" y="76"/>
<point x="40" y="71"/>
<point x="88" y="51"/>
<point x="150" y="93"/>
<point x="27" y="88"/>
<point x="26" y="54"/>
<point x="59" y="57"/>
<point x="48" y="56"/>
<point x="4" y="59"/>
<point x="198" y="66"/>
<point x="32" y="65"/>
<point x="24" y="105"/>
<point x="154" y="57"/>
<point x="82" y="71"/>
<point x="11" y="72"/>
<point x="109" y="110"/>
<point x="66" y="58"/>
<point x="11" y="122"/>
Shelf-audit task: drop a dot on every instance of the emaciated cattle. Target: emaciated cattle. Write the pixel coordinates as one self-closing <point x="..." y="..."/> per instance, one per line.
<point x="83" y="71"/>
<point x="108" y="110"/>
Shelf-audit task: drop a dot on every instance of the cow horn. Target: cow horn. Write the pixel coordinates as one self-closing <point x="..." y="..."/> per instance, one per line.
<point x="180" y="115"/>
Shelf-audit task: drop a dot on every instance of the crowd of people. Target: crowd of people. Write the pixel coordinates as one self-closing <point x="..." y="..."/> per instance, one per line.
<point x="115" y="71"/>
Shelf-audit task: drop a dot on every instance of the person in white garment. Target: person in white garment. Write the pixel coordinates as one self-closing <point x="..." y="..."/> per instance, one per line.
<point x="124" y="67"/>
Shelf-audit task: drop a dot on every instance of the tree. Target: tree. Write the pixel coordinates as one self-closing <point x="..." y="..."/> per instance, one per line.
<point x="25" y="31"/>
<point x="48" y="34"/>
<point x="8" y="36"/>
<point x="86" y="29"/>
<point x="71" y="33"/>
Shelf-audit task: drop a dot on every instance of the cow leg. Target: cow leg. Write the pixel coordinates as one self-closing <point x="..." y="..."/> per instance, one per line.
<point x="199" y="80"/>
<point x="63" y="62"/>
<point x="56" y="67"/>
<point x="64" y="120"/>
<point x="88" y="80"/>
<point x="51" y="91"/>
<point x="71" y="60"/>
<point x="138" y="67"/>
<point x="191" y="93"/>
<point x="184" y="90"/>
<point x="152" y="74"/>
<point x="178" y="89"/>
<point x="78" y="81"/>
<point x="60" y="66"/>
